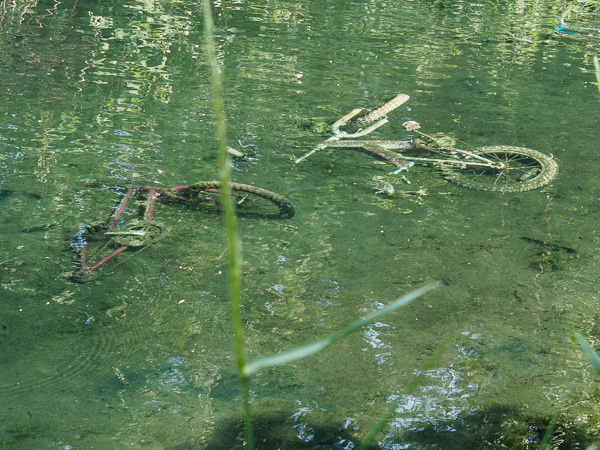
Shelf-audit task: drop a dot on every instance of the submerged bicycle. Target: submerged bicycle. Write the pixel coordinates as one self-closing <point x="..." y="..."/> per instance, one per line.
<point x="98" y="245"/>
<point x="496" y="168"/>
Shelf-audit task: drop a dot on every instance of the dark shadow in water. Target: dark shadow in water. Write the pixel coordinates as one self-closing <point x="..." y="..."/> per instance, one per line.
<point x="4" y="193"/>
<point x="275" y="431"/>
<point x="499" y="426"/>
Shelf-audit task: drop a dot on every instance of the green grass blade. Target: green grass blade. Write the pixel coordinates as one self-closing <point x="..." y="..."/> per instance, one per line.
<point x="286" y="357"/>
<point x="545" y="443"/>
<point x="233" y="247"/>
<point x="589" y="351"/>
<point x="597" y="66"/>
<point x="314" y="347"/>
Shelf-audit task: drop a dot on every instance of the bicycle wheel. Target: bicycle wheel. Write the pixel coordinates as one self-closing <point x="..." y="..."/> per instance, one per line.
<point x="522" y="170"/>
<point x="249" y="200"/>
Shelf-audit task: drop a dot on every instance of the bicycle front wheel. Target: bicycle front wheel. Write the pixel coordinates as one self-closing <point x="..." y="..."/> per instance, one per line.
<point x="249" y="200"/>
<point x="520" y="170"/>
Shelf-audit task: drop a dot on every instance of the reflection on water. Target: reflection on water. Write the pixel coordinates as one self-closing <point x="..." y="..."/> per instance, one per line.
<point x="444" y="398"/>
<point x="96" y="97"/>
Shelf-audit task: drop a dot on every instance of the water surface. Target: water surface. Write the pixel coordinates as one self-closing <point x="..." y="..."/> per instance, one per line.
<point x="97" y="97"/>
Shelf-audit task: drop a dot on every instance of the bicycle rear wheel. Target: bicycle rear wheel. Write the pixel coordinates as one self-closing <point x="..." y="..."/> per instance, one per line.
<point x="249" y="200"/>
<point x="523" y="170"/>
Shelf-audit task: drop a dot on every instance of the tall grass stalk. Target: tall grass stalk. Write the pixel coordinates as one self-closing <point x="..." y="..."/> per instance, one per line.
<point x="233" y="246"/>
<point x="597" y="66"/>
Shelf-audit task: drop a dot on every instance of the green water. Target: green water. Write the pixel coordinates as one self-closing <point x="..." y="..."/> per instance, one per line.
<point x="99" y="96"/>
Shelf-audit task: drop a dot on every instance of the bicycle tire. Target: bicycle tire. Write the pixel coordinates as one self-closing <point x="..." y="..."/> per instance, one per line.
<point x="286" y="210"/>
<point x="524" y="170"/>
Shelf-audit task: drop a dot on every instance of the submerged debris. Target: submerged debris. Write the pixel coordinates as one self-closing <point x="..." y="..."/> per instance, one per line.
<point x="381" y="186"/>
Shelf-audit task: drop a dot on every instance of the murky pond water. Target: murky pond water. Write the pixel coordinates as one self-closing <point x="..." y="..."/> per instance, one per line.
<point x="99" y="96"/>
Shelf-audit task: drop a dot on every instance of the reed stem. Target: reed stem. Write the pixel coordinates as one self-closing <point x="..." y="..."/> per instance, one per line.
<point x="597" y="66"/>
<point x="233" y="247"/>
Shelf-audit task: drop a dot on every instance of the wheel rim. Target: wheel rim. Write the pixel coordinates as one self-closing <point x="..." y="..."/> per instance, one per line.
<point x="521" y="169"/>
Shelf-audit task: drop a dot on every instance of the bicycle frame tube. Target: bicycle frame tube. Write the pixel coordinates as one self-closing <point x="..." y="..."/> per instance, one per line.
<point x="383" y="149"/>
<point x="458" y="162"/>
<point x="85" y="271"/>
<point x="376" y="148"/>
<point x="449" y="149"/>
<point x="112" y="222"/>
<point x="485" y="162"/>
<point x="152" y="194"/>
